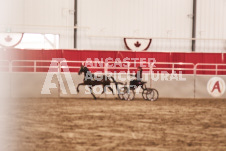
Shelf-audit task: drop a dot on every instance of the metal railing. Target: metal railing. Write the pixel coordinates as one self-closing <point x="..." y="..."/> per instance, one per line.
<point x="173" y="68"/>
<point x="207" y="67"/>
<point x="5" y="64"/>
<point x="34" y="66"/>
<point x="129" y="66"/>
<point x="64" y="65"/>
<point x="106" y="66"/>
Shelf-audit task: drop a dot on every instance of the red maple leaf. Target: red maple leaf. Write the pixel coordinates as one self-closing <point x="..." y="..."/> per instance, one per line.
<point x="137" y="44"/>
<point x="8" y="39"/>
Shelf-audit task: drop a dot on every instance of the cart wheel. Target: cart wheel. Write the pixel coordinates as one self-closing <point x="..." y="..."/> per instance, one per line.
<point x="129" y="95"/>
<point x="152" y="94"/>
<point x="144" y="94"/>
<point x="121" y="93"/>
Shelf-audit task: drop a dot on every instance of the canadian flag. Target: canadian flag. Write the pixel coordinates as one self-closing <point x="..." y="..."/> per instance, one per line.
<point x="137" y="44"/>
<point x="10" y="39"/>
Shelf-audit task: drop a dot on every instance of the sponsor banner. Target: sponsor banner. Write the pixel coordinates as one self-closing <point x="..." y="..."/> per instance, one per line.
<point x="216" y="86"/>
<point x="210" y="86"/>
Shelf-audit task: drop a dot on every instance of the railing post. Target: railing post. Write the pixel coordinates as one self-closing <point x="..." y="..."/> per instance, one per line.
<point x="173" y="68"/>
<point x="59" y="72"/>
<point x="128" y="69"/>
<point x="10" y="66"/>
<point x="216" y="69"/>
<point x="35" y="64"/>
<point x="151" y="69"/>
<point x="59" y="67"/>
<point x="195" y="71"/>
<point x="105" y="67"/>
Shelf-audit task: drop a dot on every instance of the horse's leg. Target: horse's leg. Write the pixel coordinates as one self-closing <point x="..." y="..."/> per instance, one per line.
<point x="79" y="85"/>
<point x="111" y="90"/>
<point x="91" y="91"/>
<point x="116" y="84"/>
<point x="104" y="89"/>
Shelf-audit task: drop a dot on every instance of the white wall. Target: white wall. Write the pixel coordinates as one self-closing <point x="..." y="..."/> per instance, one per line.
<point x="152" y="18"/>
<point x="39" y="16"/>
<point x="120" y="18"/>
<point x="133" y="18"/>
<point x="37" y="85"/>
<point x="211" y="24"/>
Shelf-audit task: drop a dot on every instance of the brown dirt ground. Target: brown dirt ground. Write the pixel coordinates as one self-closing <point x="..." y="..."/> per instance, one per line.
<point x="83" y="124"/>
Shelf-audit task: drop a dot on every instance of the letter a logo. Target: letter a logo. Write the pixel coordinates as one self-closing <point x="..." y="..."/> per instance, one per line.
<point x="216" y="86"/>
<point x="48" y="81"/>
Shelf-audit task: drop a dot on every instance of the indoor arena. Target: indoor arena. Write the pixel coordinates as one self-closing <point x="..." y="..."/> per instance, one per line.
<point x="112" y="75"/>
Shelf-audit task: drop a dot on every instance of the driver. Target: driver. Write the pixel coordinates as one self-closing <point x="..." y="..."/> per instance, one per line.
<point x="138" y="79"/>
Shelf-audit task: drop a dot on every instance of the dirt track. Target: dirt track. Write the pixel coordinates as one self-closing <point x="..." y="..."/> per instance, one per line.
<point x="72" y="124"/>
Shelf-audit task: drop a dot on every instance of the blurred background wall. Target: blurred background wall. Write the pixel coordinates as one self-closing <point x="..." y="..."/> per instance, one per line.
<point x="102" y="24"/>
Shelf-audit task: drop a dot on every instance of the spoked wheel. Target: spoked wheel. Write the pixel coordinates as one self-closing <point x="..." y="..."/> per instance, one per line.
<point x="129" y="94"/>
<point x="121" y="93"/>
<point x="152" y="94"/>
<point x="144" y="94"/>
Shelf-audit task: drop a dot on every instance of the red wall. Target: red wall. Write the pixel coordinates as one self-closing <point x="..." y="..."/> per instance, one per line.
<point x="82" y="55"/>
<point x="17" y="54"/>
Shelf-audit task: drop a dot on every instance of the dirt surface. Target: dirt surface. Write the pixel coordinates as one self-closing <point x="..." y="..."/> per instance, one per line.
<point x="73" y="124"/>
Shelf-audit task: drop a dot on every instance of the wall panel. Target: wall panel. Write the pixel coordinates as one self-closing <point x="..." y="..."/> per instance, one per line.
<point x="211" y="24"/>
<point x="39" y="16"/>
<point x="139" y="18"/>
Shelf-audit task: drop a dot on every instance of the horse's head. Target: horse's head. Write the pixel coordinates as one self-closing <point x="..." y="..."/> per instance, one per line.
<point x="82" y="69"/>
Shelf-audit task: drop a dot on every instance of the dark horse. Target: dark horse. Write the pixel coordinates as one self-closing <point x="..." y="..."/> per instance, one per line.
<point x="92" y="80"/>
